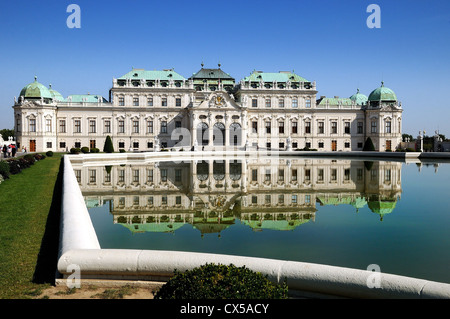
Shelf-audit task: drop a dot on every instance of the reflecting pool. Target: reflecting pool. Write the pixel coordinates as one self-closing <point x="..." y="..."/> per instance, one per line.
<point x="337" y="212"/>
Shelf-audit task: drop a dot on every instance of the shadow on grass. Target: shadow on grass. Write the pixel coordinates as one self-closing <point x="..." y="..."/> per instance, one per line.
<point x="46" y="266"/>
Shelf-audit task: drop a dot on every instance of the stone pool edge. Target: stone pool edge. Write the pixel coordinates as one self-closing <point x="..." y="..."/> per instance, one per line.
<point x="79" y="247"/>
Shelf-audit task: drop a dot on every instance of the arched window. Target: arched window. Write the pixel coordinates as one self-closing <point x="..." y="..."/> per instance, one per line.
<point x="235" y="134"/>
<point x="219" y="134"/>
<point x="202" y="133"/>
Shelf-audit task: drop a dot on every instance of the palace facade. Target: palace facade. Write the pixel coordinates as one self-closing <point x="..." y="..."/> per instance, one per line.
<point x="154" y="110"/>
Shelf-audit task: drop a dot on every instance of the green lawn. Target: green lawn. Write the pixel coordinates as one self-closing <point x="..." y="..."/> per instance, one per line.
<point x="29" y="229"/>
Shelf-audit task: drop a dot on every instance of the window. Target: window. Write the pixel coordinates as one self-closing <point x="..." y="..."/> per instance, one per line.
<point x="121" y="144"/>
<point x="308" y="144"/>
<point x="320" y="144"/>
<point x="281" y="175"/>
<point x="77" y="144"/>
<point x="347" y="127"/>
<point x="307" y="127"/>
<point x="91" y="126"/>
<point x="360" y="145"/>
<point x="347" y="174"/>
<point x="177" y="175"/>
<point x="135" y="101"/>
<point x="164" y="200"/>
<point x="164" y="127"/>
<point x="280" y="199"/>
<point x="359" y="174"/>
<point x="267" y="127"/>
<point x="254" y="103"/>
<point x="149" y="175"/>
<point x="135" y="176"/>
<point x="107" y="177"/>
<point x="268" y="103"/>
<point x="320" y="175"/>
<point x="387" y="175"/>
<point x="281" y="127"/>
<point x="32" y="125"/>
<point x="321" y="127"/>
<point x="267" y="199"/>
<point x="62" y="144"/>
<point x="360" y="127"/>
<point x="334" y="174"/>
<point x="149" y="101"/>
<point x="281" y="103"/>
<point x="347" y="144"/>
<point x="77" y="126"/>
<point x="308" y="103"/>
<point x="149" y="144"/>
<point x="48" y="125"/>
<point x="135" y="144"/>
<point x="121" y="101"/>
<point x="388" y="126"/>
<point x="49" y="144"/>
<point x="135" y="126"/>
<point x="177" y="124"/>
<point x="178" y="200"/>
<point x="121" y="126"/>
<point x="178" y="101"/>
<point x="164" y="175"/>
<point x="254" y="127"/>
<point x="294" y="102"/>
<point x="307" y="174"/>
<point x="333" y="127"/>
<point x="164" y="101"/>
<point x="294" y="128"/>
<point x="92" y="176"/>
<point x="18" y="125"/>
<point x="294" y="175"/>
<point x="78" y="175"/>
<point x="254" y="199"/>
<point x="373" y="127"/>
<point x="267" y="175"/>
<point x="62" y="126"/>
<point x="149" y="126"/>
<point x="294" y="199"/>
<point x="107" y="126"/>
<point x="254" y="175"/>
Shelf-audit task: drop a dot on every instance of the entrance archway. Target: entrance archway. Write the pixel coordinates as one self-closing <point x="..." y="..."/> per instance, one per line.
<point x="202" y="133"/>
<point x="235" y="134"/>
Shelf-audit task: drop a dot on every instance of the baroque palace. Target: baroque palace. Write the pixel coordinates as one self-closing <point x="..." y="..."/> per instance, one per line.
<point x="154" y="110"/>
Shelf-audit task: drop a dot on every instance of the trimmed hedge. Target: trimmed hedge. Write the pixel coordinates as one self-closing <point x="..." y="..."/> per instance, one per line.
<point x="212" y="281"/>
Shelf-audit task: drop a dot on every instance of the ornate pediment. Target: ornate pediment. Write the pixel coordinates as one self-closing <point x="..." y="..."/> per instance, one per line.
<point x="219" y="100"/>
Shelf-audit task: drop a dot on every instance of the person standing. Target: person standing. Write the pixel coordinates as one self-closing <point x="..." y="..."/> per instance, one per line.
<point x="9" y="150"/>
<point x="4" y="150"/>
<point x="13" y="150"/>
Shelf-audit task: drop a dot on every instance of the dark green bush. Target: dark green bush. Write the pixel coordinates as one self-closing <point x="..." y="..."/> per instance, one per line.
<point x="49" y="153"/>
<point x="74" y="150"/>
<point x="122" y="150"/>
<point x="108" y="147"/>
<point x="94" y="150"/>
<point x="368" y="145"/>
<point x="85" y="149"/>
<point x="212" y="281"/>
<point x="4" y="169"/>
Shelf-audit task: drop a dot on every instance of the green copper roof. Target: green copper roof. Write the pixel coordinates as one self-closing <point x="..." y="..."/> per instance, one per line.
<point x="153" y="227"/>
<point x="55" y="94"/>
<point x="382" y="207"/>
<point x="257" y="76"/>
<point x="358" y="98"/>
<point x="86" y="98"/>
<point x="138" y="74"/>
<point x="281" y="225"/>
<point x="35" y="90"/>
<point x="335" y="101"/>
<point x="382" y="94"/>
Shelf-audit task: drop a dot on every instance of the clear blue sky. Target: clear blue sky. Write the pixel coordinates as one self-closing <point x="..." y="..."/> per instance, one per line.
<point x="326" y="41"/>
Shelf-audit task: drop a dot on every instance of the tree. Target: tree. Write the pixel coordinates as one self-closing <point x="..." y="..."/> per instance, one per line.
<point x="108" y="147"/>
<point x="368" y="145"/>
<point x="6" y="133"/>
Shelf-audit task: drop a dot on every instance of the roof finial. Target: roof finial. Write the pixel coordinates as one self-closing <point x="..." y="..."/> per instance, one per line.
<point x="50" y="85"/>
<point x="357" y="91"/>
<point x="35" y="78"/>
<point x="382" y="83"/>
<point x="219" y="64"/>
<point x="202" y="64"/>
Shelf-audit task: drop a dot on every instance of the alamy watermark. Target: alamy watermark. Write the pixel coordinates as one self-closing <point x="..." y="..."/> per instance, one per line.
<point x="374" y="19"/>
<point x="74" y="279"/>
<point x="374" y="279"/>
<point x="74" y="19"/>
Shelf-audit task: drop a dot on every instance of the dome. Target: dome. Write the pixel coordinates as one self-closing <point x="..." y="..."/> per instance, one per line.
<point x="55" y="94"/>
<point x="36" y="90"/>
<point x="382" y="94"/>
<point x="359" y="98"/>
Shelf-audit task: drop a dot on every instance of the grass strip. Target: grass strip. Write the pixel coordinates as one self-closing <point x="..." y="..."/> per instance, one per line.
<point x="29" y="223"/>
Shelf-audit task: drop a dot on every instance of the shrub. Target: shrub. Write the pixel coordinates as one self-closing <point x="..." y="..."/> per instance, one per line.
<point x="85" y="149"/>
<point x="108" y="147"/>
<point x="94" y="150"/>
<point x="122" y="150"/>
<point x="4" y="169"/>
<point x="49" y="153"/>
<point x="74" y="150"/>
<point x="368" y="145"/>
<point x="212" y="281"/>
<point x="14" y="167"/>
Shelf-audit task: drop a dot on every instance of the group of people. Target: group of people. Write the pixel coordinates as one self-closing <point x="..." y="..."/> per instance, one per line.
<point x="11" y="150"/>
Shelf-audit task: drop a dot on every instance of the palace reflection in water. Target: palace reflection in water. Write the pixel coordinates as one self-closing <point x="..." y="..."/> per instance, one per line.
<point x="278" y="194"/>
